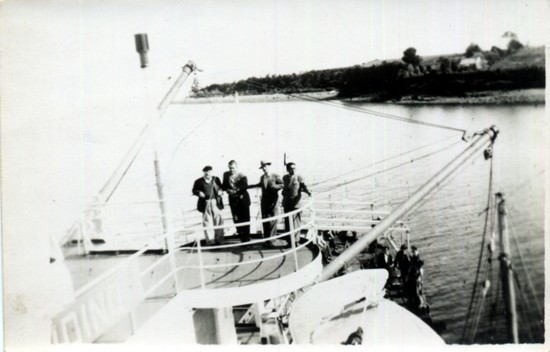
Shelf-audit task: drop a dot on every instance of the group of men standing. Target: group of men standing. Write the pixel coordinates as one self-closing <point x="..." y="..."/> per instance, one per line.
<point x="409" y="263"/>
<point x="411" y="270"/>
<point x="209" y="190"/>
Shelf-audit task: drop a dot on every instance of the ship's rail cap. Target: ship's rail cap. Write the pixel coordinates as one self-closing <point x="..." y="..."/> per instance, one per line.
<point x="307" y="206"/>
<point x="254" y="292"/>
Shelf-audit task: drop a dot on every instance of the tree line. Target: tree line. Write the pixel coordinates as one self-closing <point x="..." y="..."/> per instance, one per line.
<point x="389" y="78"/>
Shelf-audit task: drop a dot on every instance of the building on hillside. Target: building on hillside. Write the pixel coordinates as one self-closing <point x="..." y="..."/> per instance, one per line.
<point x="476" y="62"/>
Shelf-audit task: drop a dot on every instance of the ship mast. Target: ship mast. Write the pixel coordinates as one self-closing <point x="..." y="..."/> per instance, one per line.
<point x="108" y="189"/>
<point x="142" y="46"/>
<point x="112" y="183"/>
<point x="482" y="140"/>
<point x="507" y="276"/>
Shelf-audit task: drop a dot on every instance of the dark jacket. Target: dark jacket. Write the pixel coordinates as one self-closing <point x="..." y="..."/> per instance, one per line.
<point x="403" y="261"/>
<point x="270" y="186"/>
<point x="237" y="190"/>
<point x="382" y="263"/>
<point x="200" y="186"/>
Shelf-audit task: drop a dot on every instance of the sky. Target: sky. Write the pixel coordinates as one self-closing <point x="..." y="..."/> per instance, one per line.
<point x="232" y="40"/>
<point x="73" y="96"/>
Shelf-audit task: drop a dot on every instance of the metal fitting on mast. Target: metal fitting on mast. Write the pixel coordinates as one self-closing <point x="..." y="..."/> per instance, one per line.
<point x="142" y="47"/>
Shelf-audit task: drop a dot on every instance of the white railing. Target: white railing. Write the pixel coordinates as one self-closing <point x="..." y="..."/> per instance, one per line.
<point x="126" y="224"/>
<point x="103" y="302"/>
<point x="117" y="292"/>
<point x="99" y="302"/>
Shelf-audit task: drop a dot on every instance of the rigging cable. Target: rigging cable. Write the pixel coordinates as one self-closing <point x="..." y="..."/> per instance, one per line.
<point x="365" y="111"/>
<point x="188" y="134"/>
<point x="315" y="184"/>
<point x="522" y="259"/>
<point x="345" y="183"/>
<point x="480" y="304"/>
<point x="523" y="312"/>
<point x="487" y="214"/>
<point x="183" y="139"/>
<point x="440" y="187"/>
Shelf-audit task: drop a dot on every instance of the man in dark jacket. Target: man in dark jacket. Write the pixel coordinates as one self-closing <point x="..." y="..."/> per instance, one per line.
<point x="209" y="188"/>
<point x="385" y="260"/>
<point x="403" y="262"/>
<point x="292" y="194"/>
<point x="235" y="184"/>
<point x="270" y="184"/>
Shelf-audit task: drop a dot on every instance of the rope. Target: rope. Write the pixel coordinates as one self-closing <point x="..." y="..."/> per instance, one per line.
<point x="365" y="111"/>
<point x="522" y="259"/>
<point x="474" y="290"/>
<point x="183" y="139"/>
<point x="345" y="183"/>
<point x="521" y="310"/>
<point x="440" y="187"/>
<point x="480" y="306"/>
<point x="378" y="162"/>
<point x="525" y="303"/>
<point x="188" y="134"/>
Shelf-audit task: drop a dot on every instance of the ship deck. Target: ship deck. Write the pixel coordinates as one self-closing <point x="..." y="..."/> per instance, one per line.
<point x="232" y="274"/>
<point x="84" y="269"/>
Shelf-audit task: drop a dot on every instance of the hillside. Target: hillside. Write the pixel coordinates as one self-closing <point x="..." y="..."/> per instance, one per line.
<point x="525" y="57"/>
<point x="446" y="76"/>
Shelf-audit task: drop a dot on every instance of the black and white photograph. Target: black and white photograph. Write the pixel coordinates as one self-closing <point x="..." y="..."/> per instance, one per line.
<point x="192" y="174"/>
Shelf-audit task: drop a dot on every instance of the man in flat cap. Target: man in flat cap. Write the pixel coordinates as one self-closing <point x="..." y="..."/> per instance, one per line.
<point x="292" y="194"/>
<point x="209" y="188"/>
<point x="270" y="183"/>
<point x="235" y="184"/>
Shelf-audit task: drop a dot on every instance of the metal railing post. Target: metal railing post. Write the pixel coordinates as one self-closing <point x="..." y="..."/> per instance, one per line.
<point x="262" y="219"/>
<point x="293" y="240"/>
<point x="173" y="267"/>
<point x="201" y="264"/>
<point x="133" y="326"/>
<point x="80" y="239"/>
<point x="83" y="235"/>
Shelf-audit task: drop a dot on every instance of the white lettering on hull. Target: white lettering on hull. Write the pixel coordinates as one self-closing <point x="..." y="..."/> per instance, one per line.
<point x="89" y="317"/>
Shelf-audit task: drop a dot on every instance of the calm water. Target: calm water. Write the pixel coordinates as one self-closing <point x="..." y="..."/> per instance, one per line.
<point x="326" y="141"/>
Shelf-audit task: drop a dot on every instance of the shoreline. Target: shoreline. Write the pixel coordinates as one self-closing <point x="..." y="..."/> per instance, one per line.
<point x="261" y="98"/>
<point x="532" y="96"/>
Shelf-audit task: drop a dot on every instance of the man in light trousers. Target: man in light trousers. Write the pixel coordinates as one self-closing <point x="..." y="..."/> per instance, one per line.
<point x="209" y="190"/>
